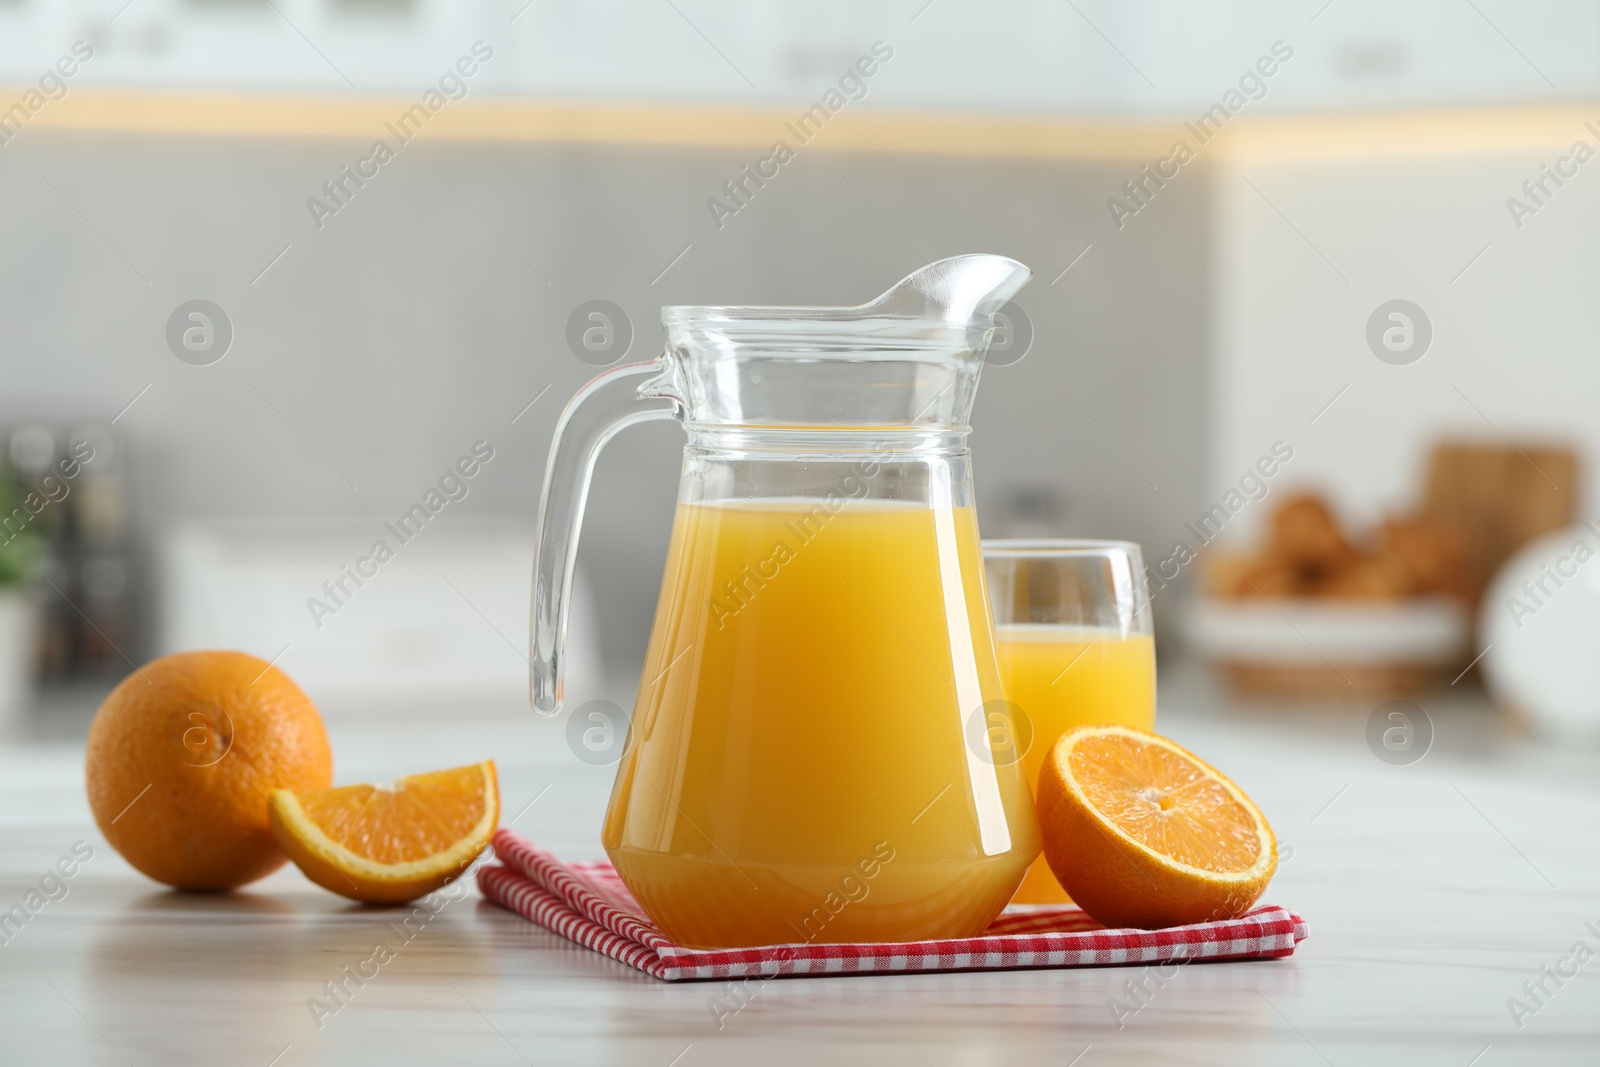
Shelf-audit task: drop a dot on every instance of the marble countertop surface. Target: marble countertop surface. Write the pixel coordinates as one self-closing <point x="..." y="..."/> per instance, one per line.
<point x="1433" y="890"/>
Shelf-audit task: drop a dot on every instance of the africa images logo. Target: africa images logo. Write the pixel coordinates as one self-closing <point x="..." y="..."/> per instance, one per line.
<point x="452" y="85"/>
<point x="51" y="86"/>
<point x="1152" y="178"/>
<point x="852" y="87"/>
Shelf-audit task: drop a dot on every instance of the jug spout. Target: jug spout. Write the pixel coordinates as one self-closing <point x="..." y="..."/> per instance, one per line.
<point x="960" y="291"/>
<point x="908" y="358"/>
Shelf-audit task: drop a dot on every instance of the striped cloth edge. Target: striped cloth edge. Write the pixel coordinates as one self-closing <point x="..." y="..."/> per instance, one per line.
<point x="587" y="904"/>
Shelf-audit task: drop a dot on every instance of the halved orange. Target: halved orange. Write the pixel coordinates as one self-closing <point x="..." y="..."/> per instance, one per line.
<point x="1141" y="832"/>
<point x="387" y="844"/>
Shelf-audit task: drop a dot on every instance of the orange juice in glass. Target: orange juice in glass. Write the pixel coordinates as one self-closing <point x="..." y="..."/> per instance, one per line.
<point x="1075" y="648"/>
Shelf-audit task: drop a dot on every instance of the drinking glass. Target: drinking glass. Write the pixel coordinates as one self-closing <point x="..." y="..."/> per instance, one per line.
<point x="1076" y="648"/>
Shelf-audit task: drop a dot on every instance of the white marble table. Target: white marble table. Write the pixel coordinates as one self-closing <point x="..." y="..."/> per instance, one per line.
<point x="1433" y="891"/>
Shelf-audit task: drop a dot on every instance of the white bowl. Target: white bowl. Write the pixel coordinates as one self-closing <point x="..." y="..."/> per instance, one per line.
<point x="1425" y="631"/>
<point x="1544" y="643"/>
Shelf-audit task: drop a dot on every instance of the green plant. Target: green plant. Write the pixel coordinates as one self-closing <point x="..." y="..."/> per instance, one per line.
<point x="19" y="550"/>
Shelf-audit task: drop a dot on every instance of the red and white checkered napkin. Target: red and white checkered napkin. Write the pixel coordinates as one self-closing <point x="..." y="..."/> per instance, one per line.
<point x="587" y="903"/>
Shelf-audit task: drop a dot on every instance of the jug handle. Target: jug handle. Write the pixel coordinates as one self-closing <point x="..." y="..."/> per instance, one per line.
<point x="608" y="404"/>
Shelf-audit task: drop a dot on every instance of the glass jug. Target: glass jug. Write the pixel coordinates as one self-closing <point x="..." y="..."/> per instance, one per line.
<point x="810" y="758"/>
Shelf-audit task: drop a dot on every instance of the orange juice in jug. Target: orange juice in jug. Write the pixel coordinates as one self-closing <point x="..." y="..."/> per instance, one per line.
<point x="801" y="727"/>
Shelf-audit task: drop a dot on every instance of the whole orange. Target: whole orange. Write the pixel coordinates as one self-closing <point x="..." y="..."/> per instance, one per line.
<point x="182" y="757"/>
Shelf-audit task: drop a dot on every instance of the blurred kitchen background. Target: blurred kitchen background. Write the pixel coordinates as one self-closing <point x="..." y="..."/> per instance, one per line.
<point x="1187" y="332"/>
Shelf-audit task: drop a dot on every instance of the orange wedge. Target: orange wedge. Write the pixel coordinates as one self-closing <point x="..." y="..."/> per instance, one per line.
<point x="1143" y="833"/>
<point x="387" y="844"/>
